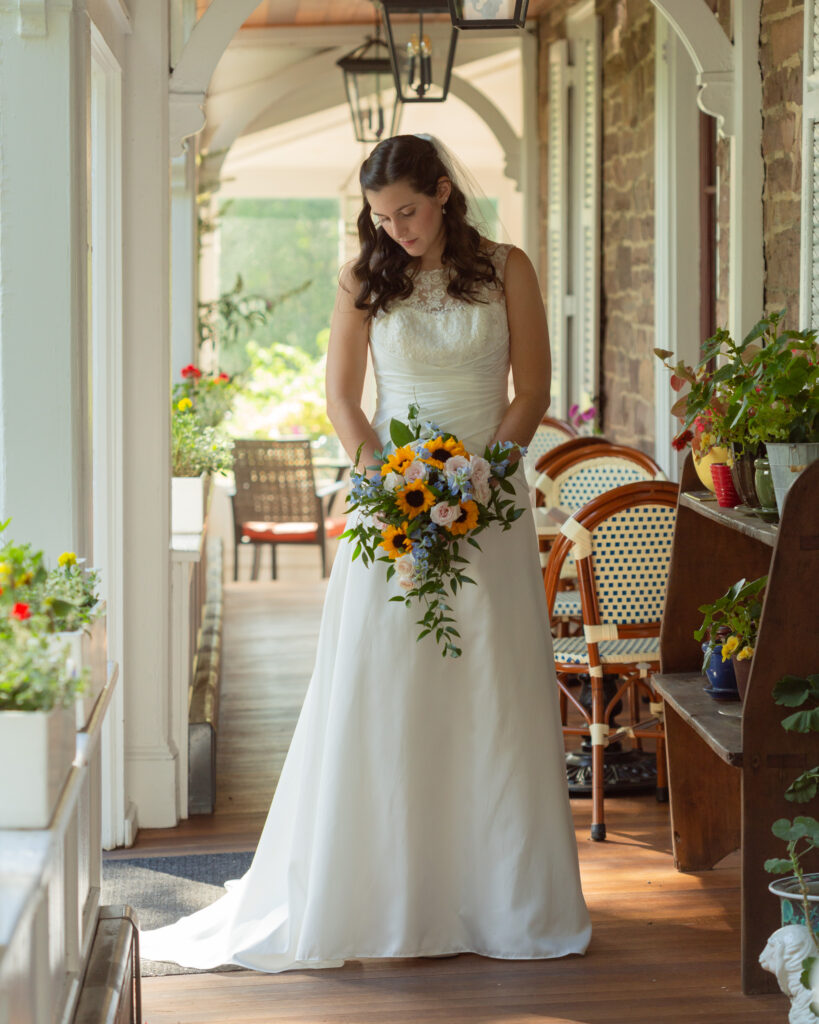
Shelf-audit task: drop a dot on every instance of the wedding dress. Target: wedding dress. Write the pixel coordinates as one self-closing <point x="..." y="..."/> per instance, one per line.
<point x="422" y="807"/>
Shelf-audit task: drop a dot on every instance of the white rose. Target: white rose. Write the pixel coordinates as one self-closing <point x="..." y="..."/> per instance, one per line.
<point x="458" y="464"/>
<point x="392" y="481"/>
<point x="481" y="470"/>
<point x="415" y="471"/>
<point x="405" y="584"/>
<point x="481" y="490"/>
<point x="405" y="566"/>
<point x="443" y="514"/>
<point x="379" y="521"/>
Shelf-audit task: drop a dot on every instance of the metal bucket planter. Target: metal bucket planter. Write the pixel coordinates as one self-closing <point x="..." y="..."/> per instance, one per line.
<point x="787" y="461"/>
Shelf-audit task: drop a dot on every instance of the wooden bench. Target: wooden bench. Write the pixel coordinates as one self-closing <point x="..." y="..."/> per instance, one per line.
<point x="728" y="775"/>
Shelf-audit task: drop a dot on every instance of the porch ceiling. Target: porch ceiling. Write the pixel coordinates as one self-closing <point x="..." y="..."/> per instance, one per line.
<point x="321" y="12"/>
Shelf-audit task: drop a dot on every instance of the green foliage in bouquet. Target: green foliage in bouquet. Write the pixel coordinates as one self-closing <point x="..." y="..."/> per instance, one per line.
<point x="428" y="495"/>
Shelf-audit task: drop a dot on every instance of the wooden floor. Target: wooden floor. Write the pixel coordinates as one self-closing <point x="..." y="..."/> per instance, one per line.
<point x="665" y="945"/>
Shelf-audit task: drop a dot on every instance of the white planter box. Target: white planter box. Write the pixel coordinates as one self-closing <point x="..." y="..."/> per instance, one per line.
<point x="188" y="503"/>
<point x="87" y="648"/>
<point x="36" y="752"/>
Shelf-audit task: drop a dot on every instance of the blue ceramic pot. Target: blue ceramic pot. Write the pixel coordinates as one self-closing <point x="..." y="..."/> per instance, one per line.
<point x="720" y="673"/>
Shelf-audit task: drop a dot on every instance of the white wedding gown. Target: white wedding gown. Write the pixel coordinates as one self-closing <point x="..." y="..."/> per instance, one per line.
<point x="422" y="807"/>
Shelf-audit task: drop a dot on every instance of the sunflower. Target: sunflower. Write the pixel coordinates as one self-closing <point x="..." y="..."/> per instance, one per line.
<point x="467" y="520"/>
<point x="396" y="540"/>
<point x="416" y="497"/>
<point x="439" y="450"/>
<point x="398" y="461"/>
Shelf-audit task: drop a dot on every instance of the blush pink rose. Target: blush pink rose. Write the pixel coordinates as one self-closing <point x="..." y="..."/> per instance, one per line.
<point x="415" y="471"/>
<point x="482" y="491"/>
<point x="404" y="566"/>
<point x="443" y="514"/>
<point x="456" y="464"/>
<point x="481" y="470"/>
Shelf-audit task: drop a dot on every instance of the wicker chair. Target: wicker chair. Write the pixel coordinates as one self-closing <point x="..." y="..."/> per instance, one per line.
<point x="621" y="542"/>
<point x="276" y="500"/>
<point x="550" y="433"/>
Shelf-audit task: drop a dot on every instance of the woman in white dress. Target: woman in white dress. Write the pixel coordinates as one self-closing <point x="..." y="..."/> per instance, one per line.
<point x="422" y="809"/>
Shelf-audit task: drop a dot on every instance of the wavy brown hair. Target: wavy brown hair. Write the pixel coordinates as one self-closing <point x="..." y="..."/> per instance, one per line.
<point x="382" y="264"/>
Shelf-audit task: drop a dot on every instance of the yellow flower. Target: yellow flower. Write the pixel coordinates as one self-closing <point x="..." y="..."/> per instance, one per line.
<point x="5" y="570"/>
<point x="467" y="520"/>
<point x="745" y="653"/>
<point x="67" y="558"/>
<point x="729" y="647"/>
<point x="183" y="404"/>
<point x="439" y="450"/>
<point x="396" y="540"/>
<point x="414" y="498"/>
<point x="23" y="579"/>
<point x="398" y="461"/>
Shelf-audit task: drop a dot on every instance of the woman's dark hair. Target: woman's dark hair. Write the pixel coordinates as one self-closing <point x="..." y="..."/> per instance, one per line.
<point x="381" y="267"/>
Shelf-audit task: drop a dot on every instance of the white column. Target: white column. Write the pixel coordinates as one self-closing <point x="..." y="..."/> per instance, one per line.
<point x="184" y="292"/>
<point x="746" y="290"/>
<point x="530" y="162"/>
<point x="44" y="421"/>
<point x="151" y="758"/>
<point x="677" y="242"/>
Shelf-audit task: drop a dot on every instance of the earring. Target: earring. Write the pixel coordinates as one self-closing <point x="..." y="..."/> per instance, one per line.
<point x="443" y="209"/>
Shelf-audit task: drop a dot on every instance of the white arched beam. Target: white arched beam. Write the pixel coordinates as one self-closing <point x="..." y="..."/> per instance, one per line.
<point x="495" y="120"/>
<point x="192" y="74"/>
<point x="730" y="88"/>
<point x="712" y="53"/>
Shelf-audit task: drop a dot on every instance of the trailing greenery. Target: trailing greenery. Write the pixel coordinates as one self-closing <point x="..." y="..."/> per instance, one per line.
<point x="802" y="834"/>
<point x="34" y="674"/>
<point x="195" y="448"/>
<point x="731" y="623"/>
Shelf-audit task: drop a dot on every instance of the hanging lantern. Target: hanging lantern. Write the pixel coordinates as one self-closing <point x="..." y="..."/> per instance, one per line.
<point x="422" y="48"/>
<point x="370" y="88"/>
<point x="490" y="14"/>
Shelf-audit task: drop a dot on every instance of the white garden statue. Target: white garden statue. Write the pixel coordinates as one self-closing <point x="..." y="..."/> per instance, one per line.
<point x="783" y="956"/>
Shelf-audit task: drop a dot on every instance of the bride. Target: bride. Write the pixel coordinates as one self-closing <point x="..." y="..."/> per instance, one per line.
<point x="422" y="809"/>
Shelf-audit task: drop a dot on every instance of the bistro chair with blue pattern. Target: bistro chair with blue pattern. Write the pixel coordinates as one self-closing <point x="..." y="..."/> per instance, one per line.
<point x="550" y="433"/>
<point x="621" y="544"/>
<point x="568" y="478"/>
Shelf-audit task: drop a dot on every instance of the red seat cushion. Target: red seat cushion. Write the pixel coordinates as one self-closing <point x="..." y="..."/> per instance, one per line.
<point x="293" y="533"/>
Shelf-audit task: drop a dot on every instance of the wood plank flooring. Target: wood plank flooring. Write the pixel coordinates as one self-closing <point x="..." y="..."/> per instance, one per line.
<point x="665" y="945"/>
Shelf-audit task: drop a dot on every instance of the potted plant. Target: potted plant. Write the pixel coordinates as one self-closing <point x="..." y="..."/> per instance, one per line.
<point x="37" y="722"/>
<point x="782" y="401"/>
<point x="714" y="422"/>
<point x="799" y="893"/>
<point x="211" y="394"/>
<point x="730" y="628"/>
<point x="197" y="451"/>
<point x="78" y="621"/>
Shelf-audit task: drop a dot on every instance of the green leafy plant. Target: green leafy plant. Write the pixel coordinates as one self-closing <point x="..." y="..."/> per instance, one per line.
<point x="34" y="675"/>
<point x="802" y="834"/>
<point x="731" y="623"/>
<point x="209" y="395"/>
<point x="196" y="448"/>
<point x="71" y="594"/>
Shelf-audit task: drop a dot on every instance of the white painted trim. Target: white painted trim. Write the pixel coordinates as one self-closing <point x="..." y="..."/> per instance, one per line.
<point x="557" y="271"/>
<point x="120" y="15"/>
<point x="495" y="120"/>
<point x="712" y="53"/>
<point x="746" y="256"/>
<point x="530" y="149"/>
<point x="808" y="286"/>
<point x="105" y="348"/>
<point x="677" y="243"/>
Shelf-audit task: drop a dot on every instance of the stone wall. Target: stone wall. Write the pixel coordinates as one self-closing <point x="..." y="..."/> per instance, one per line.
<point x="780" y="57"/>
<point x="627" y="208"/>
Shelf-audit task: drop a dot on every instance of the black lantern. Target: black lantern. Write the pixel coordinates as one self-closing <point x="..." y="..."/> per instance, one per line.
<point x="488" y="13"/>
<point x="369" y="83"/>
<point x="422" y="48"/>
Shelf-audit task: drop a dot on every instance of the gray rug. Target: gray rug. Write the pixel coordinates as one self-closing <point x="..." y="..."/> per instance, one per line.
<point x="163" y="889"/>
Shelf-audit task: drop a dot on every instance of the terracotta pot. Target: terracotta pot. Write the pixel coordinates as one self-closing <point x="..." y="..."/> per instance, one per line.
<point x="727" y="496"/>
<point x="742" y="670"/>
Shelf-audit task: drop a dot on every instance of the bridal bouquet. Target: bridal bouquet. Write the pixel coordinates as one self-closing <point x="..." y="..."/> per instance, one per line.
<point x="427" y="495"/>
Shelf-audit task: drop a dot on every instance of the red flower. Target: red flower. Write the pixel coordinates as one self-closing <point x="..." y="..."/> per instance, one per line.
<point x="681" y="440"/>
<point x="191" y="371"/>
<point x="21" y="611"/>
<point x="224" y="377"/>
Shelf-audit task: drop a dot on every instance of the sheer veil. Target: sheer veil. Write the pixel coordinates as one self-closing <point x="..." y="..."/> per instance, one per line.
<point x="482" y="212"/>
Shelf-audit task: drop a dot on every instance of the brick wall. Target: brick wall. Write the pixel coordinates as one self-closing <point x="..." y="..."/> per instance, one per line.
<point x="627" y="221"/>
<point x="780" y="57"/>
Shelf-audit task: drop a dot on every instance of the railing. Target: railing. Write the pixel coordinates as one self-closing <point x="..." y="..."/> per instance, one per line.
<point x="50" y="891"/>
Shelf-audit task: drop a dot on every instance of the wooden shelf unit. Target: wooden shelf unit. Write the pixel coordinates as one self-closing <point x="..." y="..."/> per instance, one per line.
<point x="728" y="776"/>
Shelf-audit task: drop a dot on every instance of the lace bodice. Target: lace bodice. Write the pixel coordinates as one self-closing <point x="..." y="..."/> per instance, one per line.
<point x="449" y="356"/>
